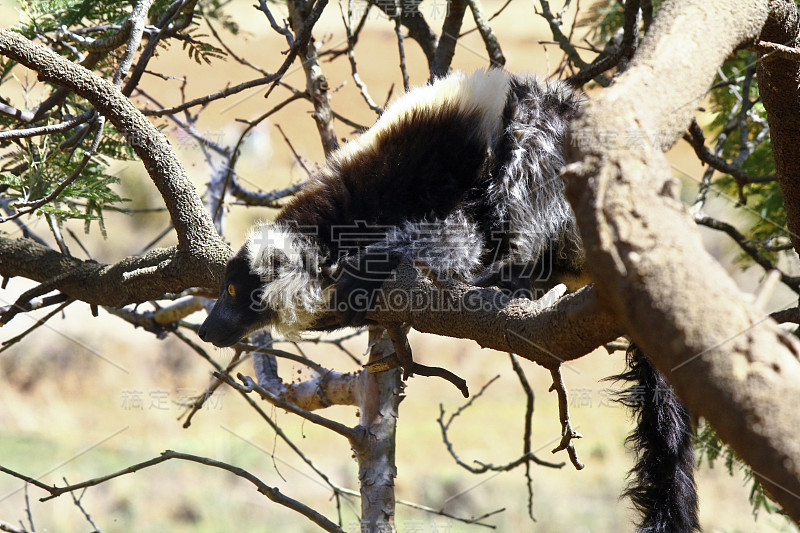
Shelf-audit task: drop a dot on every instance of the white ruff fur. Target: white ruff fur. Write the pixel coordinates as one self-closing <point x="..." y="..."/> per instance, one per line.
<point x="529" y="193"/>
<point x="283" y="259"/>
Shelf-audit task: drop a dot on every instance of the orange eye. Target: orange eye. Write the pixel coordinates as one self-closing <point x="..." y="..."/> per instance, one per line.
<point x="232" y="290"/>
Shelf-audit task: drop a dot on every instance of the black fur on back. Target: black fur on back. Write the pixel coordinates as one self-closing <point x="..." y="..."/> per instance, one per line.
<point x="419" y="168"/>
<point x="663" y="488"/>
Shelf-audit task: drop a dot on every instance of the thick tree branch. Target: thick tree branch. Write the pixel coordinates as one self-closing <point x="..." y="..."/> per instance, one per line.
<point x="572" y="327"/>
<point x="728" y="362"/>
<point x="200" y="255"/>
<point x="778" y="82"/>
<point x="186" y="210"/>
<point x="446" y="48"/>
<point x="303" y="14"/>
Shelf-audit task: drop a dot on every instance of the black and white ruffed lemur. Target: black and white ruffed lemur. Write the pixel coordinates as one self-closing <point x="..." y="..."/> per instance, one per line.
<point x="461" y="175"/>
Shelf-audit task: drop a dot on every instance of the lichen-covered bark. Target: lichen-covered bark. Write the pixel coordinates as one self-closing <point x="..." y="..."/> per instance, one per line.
<point x="729" y="363"/>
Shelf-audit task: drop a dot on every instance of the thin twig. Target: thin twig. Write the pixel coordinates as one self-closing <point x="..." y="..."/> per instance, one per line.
<point x="490" y="40"/>
<point x="568" y="434"/>
<point x="302" y="40"/>
<point x="696" y="139"/>
<point x="48" y="129"/>
<point x="40" y="322"/>
<point x="351" y="56"/>
<point x="793" y="282"/>
<point x="401" y="47"/>
<point x="270" y="492"/>
<point x="77" y="501"/>
<point x="29" y="207"/>
<point x="526" y="436"/>
<point x="482" y="467"/>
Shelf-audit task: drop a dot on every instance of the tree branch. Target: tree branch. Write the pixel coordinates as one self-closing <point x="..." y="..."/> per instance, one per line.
<point x="726" y="361"/>
<point x="572" y="327"/>
<point x="270" y="492"/>
<point x="778" y="86"/>
<point x="451" y="28"/>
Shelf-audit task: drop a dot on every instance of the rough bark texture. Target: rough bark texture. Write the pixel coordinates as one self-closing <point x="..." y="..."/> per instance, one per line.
<point x="200" y="256"/>
<point x="548" y="335"/>
<point x="316" y="82"/>
<point x="729" y="363"/>
<point x="778" y="82"/>
<point x="379" y="398"/>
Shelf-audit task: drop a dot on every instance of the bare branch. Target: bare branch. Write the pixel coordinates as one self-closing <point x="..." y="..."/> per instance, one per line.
<point x="414" y="21"/>
<point x="301" y="15"/>
<point x="446" y="48"/>
<point x="496" y="57"/>
<point x="696" y="138"/>
<point x="525" y="459"/>
<point x="351" y="434"/>
<point x="11" y="528"/>
<point x="283" y="30"/>
<point x="614" y="55"/>
<point x="767" y="49"/>
<point x="793" y="282"/>
<point x="136" y="23"/>
<point x="351" y="56"/>
<point x="567" y="433"/>
<point x="401" y="47"/>
<point x="270" y="492"/>
<point x="50" y="128"/>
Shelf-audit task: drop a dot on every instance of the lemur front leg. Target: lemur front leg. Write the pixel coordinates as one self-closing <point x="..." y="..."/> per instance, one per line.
<point x="357" y="281"/>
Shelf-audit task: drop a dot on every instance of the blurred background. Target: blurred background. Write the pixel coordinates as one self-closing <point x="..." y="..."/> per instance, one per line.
<point x="85" y="396"/>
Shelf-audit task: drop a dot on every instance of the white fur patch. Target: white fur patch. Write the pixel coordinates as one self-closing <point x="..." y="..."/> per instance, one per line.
<point x="287" y="263"/>
<point x="529" y="193"/>
<point x="451" y="246"/>
<point x="484" y="91"/>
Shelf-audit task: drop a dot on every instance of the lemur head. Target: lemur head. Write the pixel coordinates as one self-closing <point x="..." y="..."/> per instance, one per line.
<point x="274" y="280"/>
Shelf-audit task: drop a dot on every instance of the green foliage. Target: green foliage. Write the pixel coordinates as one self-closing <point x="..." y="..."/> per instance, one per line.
<point x="44" y="163"/>
<point x="604" y="19"/>
<point x="740" y="126"/>
<point x="201" y="51"/>
<point x="35" y="167"/>
<point x="48" y="16"/>
<point x="710" y="447"/>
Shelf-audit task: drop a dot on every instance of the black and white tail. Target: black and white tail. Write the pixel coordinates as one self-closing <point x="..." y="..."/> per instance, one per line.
<point x="662" y="487"/>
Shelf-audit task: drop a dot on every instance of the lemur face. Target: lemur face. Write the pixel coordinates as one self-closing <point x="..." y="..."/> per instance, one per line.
<point x="272" y="281"/>
<point x="239" y="309"/>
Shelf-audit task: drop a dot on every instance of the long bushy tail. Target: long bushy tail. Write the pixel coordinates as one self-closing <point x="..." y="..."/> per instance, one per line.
<point x="662" y="488"/>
